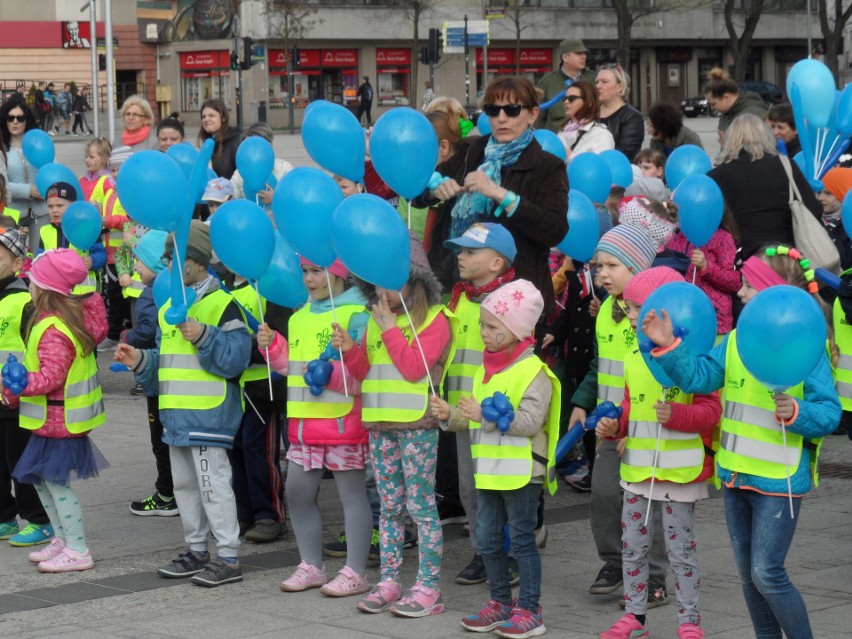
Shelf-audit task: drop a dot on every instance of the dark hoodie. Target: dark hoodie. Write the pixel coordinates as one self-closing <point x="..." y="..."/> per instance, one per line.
<point x="747" y="102"/>
<point x="224" y="161"/>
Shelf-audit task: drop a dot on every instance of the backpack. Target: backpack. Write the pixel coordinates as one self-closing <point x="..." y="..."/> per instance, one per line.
<point x="368" y="93"/>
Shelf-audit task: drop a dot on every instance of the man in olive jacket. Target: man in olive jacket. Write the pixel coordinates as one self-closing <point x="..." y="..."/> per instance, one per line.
<point x="572" y="54"/>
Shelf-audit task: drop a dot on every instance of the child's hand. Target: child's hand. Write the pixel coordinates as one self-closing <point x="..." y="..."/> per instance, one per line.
<point x="594" y="307"/>
<point x="547" y="341"/>
<point x="190" y="329"/>
<point x="664" y="411"/>
<point x="447" y="190"/>
<point x="265" y="195"/>
<point x="87" y="261"/>
<point x="384" y="317"/>
<point x="470" y="409"/>
<point x="124" y="280"/>
<point x="577" y="415"/>
<point x="658" y="329"/>
<point x="607" y="427"/>
<point x="785" y="406"/>
<point x="265" y="336"/>
<point x="699" y="260"/>
<point x="341" y="340"/>
<point x="440" y="408"/>
<point x="127" y="355"/>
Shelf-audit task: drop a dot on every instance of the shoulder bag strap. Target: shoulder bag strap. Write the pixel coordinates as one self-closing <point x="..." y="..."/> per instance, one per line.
<point x="794" y="189"/>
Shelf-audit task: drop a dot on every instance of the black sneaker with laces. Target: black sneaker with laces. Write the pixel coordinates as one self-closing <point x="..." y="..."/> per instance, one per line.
<point x="335" y="548"/>
<point x="657" y="596"/>
<point x="473" y="573"/>
<point x="187" y="564"/>
<point x="218" y="572"/>
<point x="155" y="506"/>
<point x="608" y="581"/>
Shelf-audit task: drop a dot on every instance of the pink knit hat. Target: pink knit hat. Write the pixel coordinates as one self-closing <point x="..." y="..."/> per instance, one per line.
<point x="336" y="268"/>
<point x="518" y="305"/>
<point x="646" y="282"/>
<point x="58" y="270"/>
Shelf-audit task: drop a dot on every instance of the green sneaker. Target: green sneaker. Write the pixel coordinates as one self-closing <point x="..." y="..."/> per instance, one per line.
<point x="9" y="529"/>
<point x="33" y="535"/>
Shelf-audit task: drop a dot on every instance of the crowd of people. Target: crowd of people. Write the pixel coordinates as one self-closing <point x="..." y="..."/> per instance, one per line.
<point x="446" y="398"/>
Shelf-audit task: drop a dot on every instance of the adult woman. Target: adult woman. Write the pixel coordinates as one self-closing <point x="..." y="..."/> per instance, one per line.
<point x="505" y="178"/>
<point x="584" y="133"/>
<point x="279" y="168"/>
<point x="17" y="118"/>
<point x="724" y="96"/>
<point x="783" y="125"/>
<point x="665" y="126"/>
<point x="170" y="131"/>
<point x="624" y="122"/>
<point x="137" y="115"/>
<point x="755" y="185"/>
<point x="214" y="124"/>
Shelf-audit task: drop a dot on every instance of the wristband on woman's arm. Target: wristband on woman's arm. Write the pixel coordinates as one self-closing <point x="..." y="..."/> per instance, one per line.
<point x="510" y="201"/>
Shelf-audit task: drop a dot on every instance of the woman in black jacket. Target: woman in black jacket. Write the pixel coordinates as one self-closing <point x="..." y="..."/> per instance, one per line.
<point x="215" y="124"/>
<point x="624" y="122"/>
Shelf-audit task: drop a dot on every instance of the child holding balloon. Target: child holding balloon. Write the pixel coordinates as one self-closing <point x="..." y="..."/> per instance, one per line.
<point x="664" y="467"/>
<point x="98" y="180"/>
<point x="399" y="373"/>
<point x="769" y="444"/>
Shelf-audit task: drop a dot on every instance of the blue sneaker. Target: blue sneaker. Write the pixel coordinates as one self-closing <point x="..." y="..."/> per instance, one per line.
<point x="33" y="535"/>
<point x="8" y="529"/>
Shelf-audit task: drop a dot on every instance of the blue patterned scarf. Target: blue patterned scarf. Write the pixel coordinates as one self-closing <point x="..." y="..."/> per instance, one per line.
<point x="472" y="207"/>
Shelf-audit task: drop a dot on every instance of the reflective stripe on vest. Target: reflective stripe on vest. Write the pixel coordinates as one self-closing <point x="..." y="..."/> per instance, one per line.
<point x="113" y="208"/>
<point x="843" y="370"/>
<point x="614" y="342"/>
<point x="183" y="383"/>
<point x="386" y="396"/>
<point x="83" y="396"/>
<point x="49" y="239"/>
<point x="469" y="350"/>
<point x="135" y="289"/>
<point x="505" y="462"/>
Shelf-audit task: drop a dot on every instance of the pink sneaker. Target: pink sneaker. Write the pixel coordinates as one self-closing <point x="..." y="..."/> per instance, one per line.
<point x="689" y="631"/>
<point x="68" y="560"/>
<point x="306" y="576"/>
<point x="419" y="602"/>
<point x="50" y="551"/>
<point x="346" y="583"/>
<point x="489" y="617"/>
<point x="628" y="627"/>
<point x="380" y="598"/>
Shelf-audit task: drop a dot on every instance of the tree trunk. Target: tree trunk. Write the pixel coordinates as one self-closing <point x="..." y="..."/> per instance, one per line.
<point x="624" y="29"/>
<point x="832" y="48"/>
<point x="740" y="44"/>
<point x="415" y="62"/>
<point x="833" y="36"/>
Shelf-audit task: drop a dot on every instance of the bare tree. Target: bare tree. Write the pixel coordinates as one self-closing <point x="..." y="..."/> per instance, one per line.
<point x="289" y="20"/>
<point x="522" y="17"/>
<point x="413" y="11"/>
<point x="833" y="34"/>
<point x="740" y="44"/>
<point x="626" y="13"/>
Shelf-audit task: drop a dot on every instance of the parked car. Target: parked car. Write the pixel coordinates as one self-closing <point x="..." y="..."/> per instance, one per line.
<point x="771" y="93"/>
<point x="693" y="107"/>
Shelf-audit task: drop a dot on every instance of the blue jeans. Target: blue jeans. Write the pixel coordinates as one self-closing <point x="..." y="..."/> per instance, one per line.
<point x="761" y="530"/>
<point x="518" y="508"/>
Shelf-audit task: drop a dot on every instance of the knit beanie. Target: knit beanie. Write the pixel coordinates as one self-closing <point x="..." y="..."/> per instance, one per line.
<point x="149" y="249"/>
<point x="646" y="282"/>
<point x="59" y="270"/>
<point x="636" y="210"/>
<point x="198" y="248"/>
<point x="838" y="181"/>
<point x="119" y="156"/>
<point x="337" y="267"/>
<point x="518" y="305"/>
<point x="631" y="244"/>
<point x="15" y="241"/>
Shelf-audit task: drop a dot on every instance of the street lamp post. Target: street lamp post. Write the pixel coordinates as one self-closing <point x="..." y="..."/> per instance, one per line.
<point x="93" y="41"/>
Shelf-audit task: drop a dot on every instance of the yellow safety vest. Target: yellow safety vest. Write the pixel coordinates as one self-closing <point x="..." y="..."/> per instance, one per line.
<point x="15" y="214"/>
<point x="681" y="455"/>
<point x="469" y="350"/>
<point x="309" y="335"/>
<point x="99" y="196"/>
<point x="615" y="341"/>
<point x="49" y="239"/>
<point x="112" y="207"/>
<point x="505" y="462"/>
<point x="247" y="297"/>
<point x="751" y="440"/>
<point x="135" y="289"/>
<point x="183" y="383"/>
<point x="83" y="401"/>
<point x="11" y="314"/>
<point x="843" y="370"/>
<point x="386" y="395"/>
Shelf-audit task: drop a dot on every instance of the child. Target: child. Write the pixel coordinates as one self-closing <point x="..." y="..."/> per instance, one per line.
<point x="403" y="437"/>
<point x="681" y="427"/>
<point x="61" y="402"/>
<point x="346" y="185"/>
<point x="16" y="309"/>
<point x="59" y="197"/>
<point x="622" y="252"/>
<point x="754" y="482"/>
<point x="149" y="263"/>
<point x="325" y="432"/>
<point x="510" y="465"/>
<point x="98" y="180"/>
<point x="485" y="254"/>
<point x="219" y="190"/>
<point x="651" y="162"/>
<point x="209" y="350"/>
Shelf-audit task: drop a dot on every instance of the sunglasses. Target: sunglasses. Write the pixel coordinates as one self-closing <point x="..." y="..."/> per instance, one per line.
<point x="16" y="118"/>
<point x="511" y="110"/>
<point x="572" y="98"/>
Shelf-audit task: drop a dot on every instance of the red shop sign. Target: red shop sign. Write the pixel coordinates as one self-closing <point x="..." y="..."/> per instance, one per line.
<point x="496" y="57"/>
<point x="193" y="60"/>
<point x="339" y="58"/>
<point x="307" y="58"/>
<point x="536" y="57"/>
<point x="393" y="56"/>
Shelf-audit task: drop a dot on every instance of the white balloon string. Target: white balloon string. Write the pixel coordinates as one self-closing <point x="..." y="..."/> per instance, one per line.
<point x="654" y="468"/>
<point x="419" y="346"/>
<point x="409" y="215"/>
<point x="256" y="412"/>
<point x="828" y="155"/>
<point x="787" y="465"/>
<point x="334" y="319"/>
<point x="263" y="321"/>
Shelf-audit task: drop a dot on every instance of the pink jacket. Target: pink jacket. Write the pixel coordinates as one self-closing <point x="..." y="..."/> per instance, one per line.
<point x="56" y="354"/>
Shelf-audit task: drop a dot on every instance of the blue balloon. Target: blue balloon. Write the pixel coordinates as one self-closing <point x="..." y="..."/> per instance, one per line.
<point x="161" y="288"/>
<point x="583" y="228"/>
<point x="38" y="148"/>
<point x="701" y="205"/>
<point x="816" y="90"/>
<point x="551" y="143"/>
<point x="82" y="224"/>
<point x="185" y="155"/>
<point x="303" y="205"/>
<point x="846" y="214"/>
<point x="843" y="120"/>
<point x="51" y="173"/>
<point x="690" y="309"/>
<point x="334" y="139"/>
<point x="404" y="151"/>
<point x="372" y="241"/>
<point x="684" y="161"/>
<point x="590" y="174"/>
<point x="622" y="171"/>
<point x="255" y="159"/>
<point x="282" y="282"/>
<point x="483" y="124"/>
<point x="781" y="336"/>
<point x="243" y="238"/>
<point x="153" y="190"/>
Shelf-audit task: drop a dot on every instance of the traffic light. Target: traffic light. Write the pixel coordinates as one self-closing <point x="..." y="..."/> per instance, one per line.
<point x="247" y="46"/>
<point x="424" y="55"/>
<point x="235" y="61"/>
<point x="436" y="41"/>
<point x="295" y="56"/>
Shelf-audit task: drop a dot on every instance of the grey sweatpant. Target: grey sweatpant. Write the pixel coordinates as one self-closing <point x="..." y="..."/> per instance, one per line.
<point x="467" y="487"/>
<point x="202" y="479"/>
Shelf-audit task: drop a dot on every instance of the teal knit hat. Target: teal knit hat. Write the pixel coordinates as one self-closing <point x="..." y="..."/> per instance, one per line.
<point x="150" y="248"/>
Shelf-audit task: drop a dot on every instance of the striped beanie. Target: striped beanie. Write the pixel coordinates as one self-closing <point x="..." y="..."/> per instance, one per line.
<point x="631" y="244"/>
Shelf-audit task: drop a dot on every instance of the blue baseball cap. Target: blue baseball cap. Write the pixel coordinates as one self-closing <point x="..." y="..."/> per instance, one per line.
<point x="486" y="235"/>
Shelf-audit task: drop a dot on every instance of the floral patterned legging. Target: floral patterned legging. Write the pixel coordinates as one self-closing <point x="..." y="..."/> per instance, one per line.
<point x="404" y="462"/>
